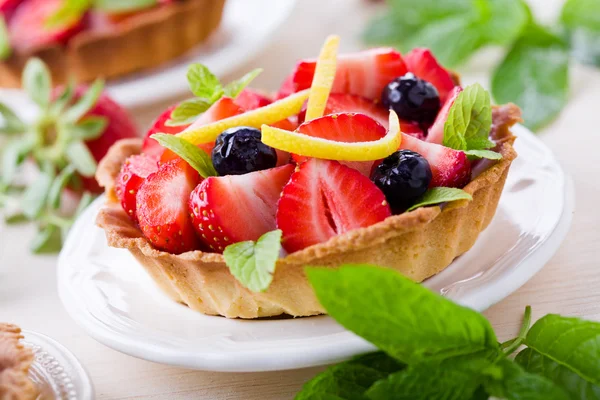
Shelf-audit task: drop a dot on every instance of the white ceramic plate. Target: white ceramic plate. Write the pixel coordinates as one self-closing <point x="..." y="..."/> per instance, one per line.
<point x="56" y="371"/>
<point x="246" y="28"/>
<point x="111" y="297"/>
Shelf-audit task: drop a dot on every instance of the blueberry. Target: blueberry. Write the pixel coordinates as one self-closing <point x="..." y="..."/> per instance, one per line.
<point x="239" y="150"/>
<point x="412" y="98"/>
<point x="403" y="177"/>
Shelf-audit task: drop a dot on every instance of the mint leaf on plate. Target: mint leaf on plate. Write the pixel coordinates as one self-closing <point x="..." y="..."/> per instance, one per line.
<point x="203" y="83"/>
<point x="234" y="88"/>
<point x="515" y="383"/>
<point x="440" y="195"/>
<point x="571" y="342"/>
<point x="193" y="155"/>
<point x="581" y="18"/>
<point x="578" y="387"/>
<point x="469" y="120"/>
<point x="414" y="329"/>
<point x="253" y="264"/>
<point x="188" y="111"/>
<point x="534" y="75"/>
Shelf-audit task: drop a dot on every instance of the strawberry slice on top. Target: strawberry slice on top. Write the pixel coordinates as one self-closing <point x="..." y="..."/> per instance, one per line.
<point x="424" y="65"/>
<point x="435" y="134"/>
<point x="133" y="173"/>
<point x="325" y="198"/>
<point x="27" y="27"/>
<point x="365" y="73"/>
<point x="233" y="208"/>
<point x="162" y="207"/>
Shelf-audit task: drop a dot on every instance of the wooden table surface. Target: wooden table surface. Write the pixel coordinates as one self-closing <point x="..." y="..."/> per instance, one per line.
<point x="569" y="284"/>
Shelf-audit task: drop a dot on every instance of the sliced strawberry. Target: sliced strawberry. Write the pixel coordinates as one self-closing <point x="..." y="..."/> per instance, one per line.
<point x="234" y="208"/>
<point x="325" y="198"/>
<point x="365" y="73"/>
<point x="151" y="146"/>
<point x="436" y="132"/>
<point x="27" y="28"/>
<point x="423" y="64"/>
<point x="250" y="99"/>
<point x="133" y="173"/>
<point x="162" y="207"/>
<point x="450" y="168"/>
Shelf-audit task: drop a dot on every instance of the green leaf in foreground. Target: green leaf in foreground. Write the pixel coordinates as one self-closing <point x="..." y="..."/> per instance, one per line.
<point x="193" y="155"/>
<point x="37" y="82"/>
<point x="351" y="379"/>
<point x="203" y="83"/>
<point x="188" y="111"/>
<point x="440" y="195"/>
<point x="47" y="240"/>
<point x="469" y="120"/>
<point x="571" y="342"/>
<point x="233" y="89"/>
<point x="402" y="318"/>
<point x="576" y="386"/>
<point x="35" y="197"/>
<point x="253" y="264"/>
<point x="582" y="21"/>
<point x="5" y="48"/>
<point x="517" y="384"/>
<point x="534" y="75"/>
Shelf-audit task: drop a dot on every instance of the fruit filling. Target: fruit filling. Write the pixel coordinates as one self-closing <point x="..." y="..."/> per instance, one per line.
<point x="348" y="141"/>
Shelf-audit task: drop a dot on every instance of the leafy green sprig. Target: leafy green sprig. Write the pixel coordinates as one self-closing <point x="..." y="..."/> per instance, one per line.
<point x="534" y="72"/>
<point x="431" y="348"/>
<point x="55" y="144"/>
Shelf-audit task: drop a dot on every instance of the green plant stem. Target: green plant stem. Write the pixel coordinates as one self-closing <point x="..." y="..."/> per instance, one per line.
<point x="61" y="222"/>
<point x="513" y="344"/>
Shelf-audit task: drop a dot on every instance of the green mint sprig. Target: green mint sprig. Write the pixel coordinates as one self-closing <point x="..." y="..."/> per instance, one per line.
<point x="534" y="72"/>
<point x="432" y="348"/>
<point x="55" y="143"/>
<point x="208" y="89"/>
<point x="193" y="155"/>
<point x="439" y="195"/>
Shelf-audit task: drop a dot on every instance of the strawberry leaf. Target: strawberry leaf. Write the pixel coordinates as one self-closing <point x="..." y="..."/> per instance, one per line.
<point x="5" y="48"/>
<point x="69" y="13"/>
<point x="65" y="97"/>
<point x="188" y="111"/>
<point x="253" y="264"/>
<point x="59" y="183"/>
<point x="34" y="197"/>
<point x="233" y="89"/>
<point x="193" y="155"/>
<point x="203" y="83"/>
<point x="37" y="82"/>
<point x="89" y="128"/>
<point x="47" y="240"/>
<point x="81" y="158"/>
<point x="15" y="219"/>
<point x="85" y="103"/>
<point x="13" y="156"/>
<point x="12" y="123"/>
<point x="440" y="195"/>
<point x="123" y="6"/>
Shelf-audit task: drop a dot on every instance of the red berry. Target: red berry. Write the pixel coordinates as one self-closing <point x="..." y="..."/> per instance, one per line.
<point x="423" y="64"/>
<point x="162" y="207"/>
<point x="151" y="146"/>
<point x="234" y="208"/>
<point x="436" y="132"/>
<point x="133" y="173"/>
<point x="250" y="99"/>
<point x="325" y="198"/>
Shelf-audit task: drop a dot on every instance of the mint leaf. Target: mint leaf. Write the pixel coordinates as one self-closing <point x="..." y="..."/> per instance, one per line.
<point x="5" y="48"/>
<point x="517" y="384"/>
<point x="489" y="154"/>
<point x="47" y="240"/>
<point x="582" y="21"/>
<point x="11" y="122"/>
<point x="233" y="89"/>
<point x="69" y="13"/>
<point x="504" y="20"/>
<point x="203" y="83"/>
<point x="469" y="120"/>
<point x="34" y="197"/>
<point x="85" y="103"/>
<point x="576" y="386"/>
<point x="81" y="158"/>
<point x="440" y="195"/>
<point x="188" y="111"/>
<point x="456" y="378"/>
<point x="193" y="155"/>
<point x="419" y="324"/>
<point x="37" y="82"/>
<point x="571" y="342"/>
<point x="534" y="75"/>
<point x="123" y="6"/>
<point x="253" y="264"/>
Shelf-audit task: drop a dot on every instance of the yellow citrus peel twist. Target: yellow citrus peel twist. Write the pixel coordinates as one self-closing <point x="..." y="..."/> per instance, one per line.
<point x="323" y="78"/>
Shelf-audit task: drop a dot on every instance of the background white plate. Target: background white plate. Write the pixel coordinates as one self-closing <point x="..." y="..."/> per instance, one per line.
<point x="246" y="28"/>
<point x="111" y="297"/>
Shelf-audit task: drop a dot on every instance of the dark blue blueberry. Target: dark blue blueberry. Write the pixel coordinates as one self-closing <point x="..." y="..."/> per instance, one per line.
<point x="239" y="151"/>
<point x="412" y="98"/>
<point x="403" y="177"/>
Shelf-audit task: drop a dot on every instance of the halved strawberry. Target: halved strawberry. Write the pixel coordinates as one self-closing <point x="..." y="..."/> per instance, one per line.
<point x="436" y="132"/>
<point x="234" y="208"/>
<point x="423" y="64"/>
<point x="325" y="198"/>
<point x="27" y="28"/>
<point x="162" y="207"/>
<point x="151" y="146"/>
<point x="250" y="99"/>
<point x="133" y="172"/>
<point x="364" y="73"/>
<point x="449" y="167"/>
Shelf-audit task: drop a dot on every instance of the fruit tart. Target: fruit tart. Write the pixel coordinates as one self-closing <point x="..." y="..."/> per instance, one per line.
<point x="109" y="38"/>
<point x="372" y="157"/>
<point x="15" y="361"/>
